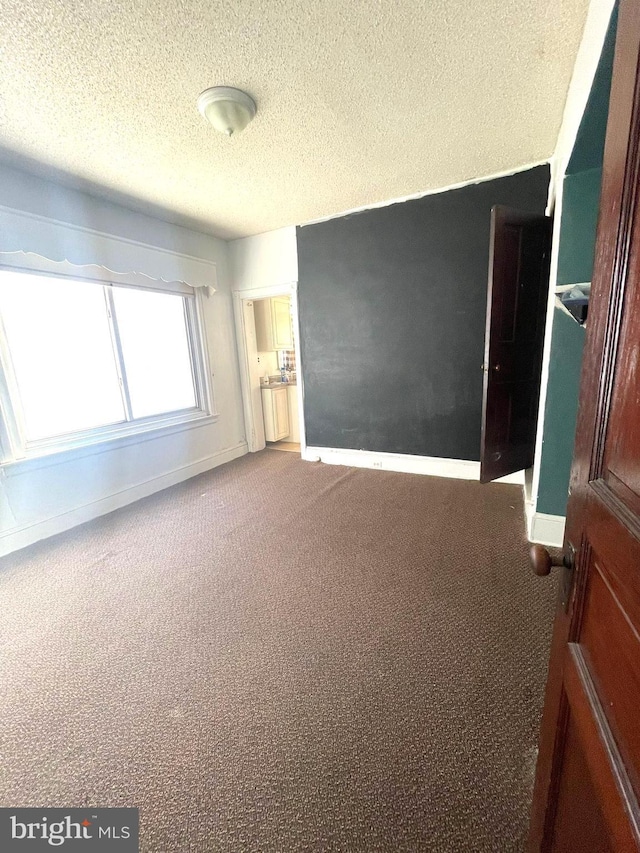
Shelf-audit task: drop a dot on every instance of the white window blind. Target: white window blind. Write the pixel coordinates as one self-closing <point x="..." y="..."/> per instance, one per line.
<point x="27" y="237"/>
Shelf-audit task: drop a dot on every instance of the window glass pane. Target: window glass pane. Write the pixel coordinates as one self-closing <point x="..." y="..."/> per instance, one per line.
<point x="155" y="349"/>
<point x="62" y="353"/>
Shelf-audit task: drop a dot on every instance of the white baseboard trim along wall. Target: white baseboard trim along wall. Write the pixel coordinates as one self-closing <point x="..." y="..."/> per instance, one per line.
<point x="20" y="537"/>
<point x="434" y="466"/>
<point x="546" y="529"/>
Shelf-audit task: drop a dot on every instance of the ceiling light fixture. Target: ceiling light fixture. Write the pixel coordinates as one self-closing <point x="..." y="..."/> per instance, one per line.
<point x="229" y="110"/>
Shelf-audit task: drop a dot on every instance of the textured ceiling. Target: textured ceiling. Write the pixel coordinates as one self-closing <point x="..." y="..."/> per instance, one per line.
<point x="358" y="101"/>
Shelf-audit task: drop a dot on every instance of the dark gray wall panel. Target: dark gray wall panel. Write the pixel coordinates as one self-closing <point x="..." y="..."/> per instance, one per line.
<point x="392" y="314"/>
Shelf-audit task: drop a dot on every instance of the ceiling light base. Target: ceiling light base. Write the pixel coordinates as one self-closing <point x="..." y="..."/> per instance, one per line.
<point x="229" y="110"/>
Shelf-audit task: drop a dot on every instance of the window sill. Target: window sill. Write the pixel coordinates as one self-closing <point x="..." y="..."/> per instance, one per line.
<point x="44" y="456"/>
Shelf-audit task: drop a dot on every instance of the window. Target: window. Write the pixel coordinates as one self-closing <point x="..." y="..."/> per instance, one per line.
<point x="83" y="361"/>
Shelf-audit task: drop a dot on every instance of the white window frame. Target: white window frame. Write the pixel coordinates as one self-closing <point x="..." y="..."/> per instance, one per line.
<point x="15" y="448"/>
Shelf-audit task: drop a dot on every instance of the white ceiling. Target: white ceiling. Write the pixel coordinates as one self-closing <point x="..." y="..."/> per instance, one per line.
<point x="359" y="101"/>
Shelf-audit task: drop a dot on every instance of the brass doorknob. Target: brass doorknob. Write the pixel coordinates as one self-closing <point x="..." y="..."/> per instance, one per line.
<point x="542" y="561"/>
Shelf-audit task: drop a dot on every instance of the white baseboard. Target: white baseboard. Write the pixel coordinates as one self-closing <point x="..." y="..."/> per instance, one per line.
<point x="546" y="529"/>
<point x="20" y="537"/>
<point x="434" y="466"/>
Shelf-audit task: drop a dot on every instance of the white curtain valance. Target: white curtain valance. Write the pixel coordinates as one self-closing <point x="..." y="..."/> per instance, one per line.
<point x="24" y="233"/>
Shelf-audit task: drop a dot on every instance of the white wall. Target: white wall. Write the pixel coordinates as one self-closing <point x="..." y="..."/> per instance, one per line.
<point x="265" y="260"/>
<point x="38" y="499"/>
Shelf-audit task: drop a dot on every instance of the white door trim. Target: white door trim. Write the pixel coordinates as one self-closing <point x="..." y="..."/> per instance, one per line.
<point x="253" y="417"/>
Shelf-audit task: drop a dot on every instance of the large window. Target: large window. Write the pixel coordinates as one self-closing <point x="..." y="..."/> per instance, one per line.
<point x="83" y="361"/>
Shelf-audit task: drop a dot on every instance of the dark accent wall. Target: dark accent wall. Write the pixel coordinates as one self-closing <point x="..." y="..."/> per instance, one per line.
<point x="392" y="306"/>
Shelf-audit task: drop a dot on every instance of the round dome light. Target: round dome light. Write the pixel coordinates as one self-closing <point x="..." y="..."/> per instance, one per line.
<point x="228" y="110"/>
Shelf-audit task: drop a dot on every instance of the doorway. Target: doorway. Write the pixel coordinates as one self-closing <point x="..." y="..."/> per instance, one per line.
<point x="267" y="332"/>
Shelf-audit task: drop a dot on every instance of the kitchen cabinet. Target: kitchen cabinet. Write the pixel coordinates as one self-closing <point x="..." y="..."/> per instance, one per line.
<point x="275" y="407"/>
<point x="294" y="417"/>
<point x="273" y="323"/>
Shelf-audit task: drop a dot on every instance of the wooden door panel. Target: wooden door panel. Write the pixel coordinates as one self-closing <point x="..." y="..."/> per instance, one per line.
<point x="607" y="514"/>
<point x="611" y="791"/>
<point x="505" y="300"/>
<point x="578" y="826"/>
<point x="622" y="492"/>
<point x="516" y="303"/>
<point x="509" y="421"/>
<point x="612" y="658"/>
<point x="621" y="457"/>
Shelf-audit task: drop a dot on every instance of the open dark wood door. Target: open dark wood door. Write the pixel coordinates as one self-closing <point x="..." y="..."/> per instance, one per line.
<point x="588" y="774"/>
<point x="519" y="258"/>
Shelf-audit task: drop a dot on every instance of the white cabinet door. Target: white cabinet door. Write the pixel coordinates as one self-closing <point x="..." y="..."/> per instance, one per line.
<point x="275" y="405"/>
<point x="273" y="323"/>
<point x="281" y="405"/>
<point x="281" y="320"/>
<point x="262" y="316"/>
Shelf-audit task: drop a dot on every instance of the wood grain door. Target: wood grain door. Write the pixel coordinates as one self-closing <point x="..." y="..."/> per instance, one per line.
<point x="520" y="250"/>
<point x="588" y="773"/>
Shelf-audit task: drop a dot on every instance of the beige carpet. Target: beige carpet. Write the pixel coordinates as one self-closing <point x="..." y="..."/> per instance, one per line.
<point x="283" y="656"/>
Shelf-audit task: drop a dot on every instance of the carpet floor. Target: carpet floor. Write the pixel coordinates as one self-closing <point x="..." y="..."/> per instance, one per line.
<point x="281" y="656"/>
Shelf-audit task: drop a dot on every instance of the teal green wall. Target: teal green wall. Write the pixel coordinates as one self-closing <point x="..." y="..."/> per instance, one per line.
<point x="560" y="414"/>
<point x="580" y="203"/>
